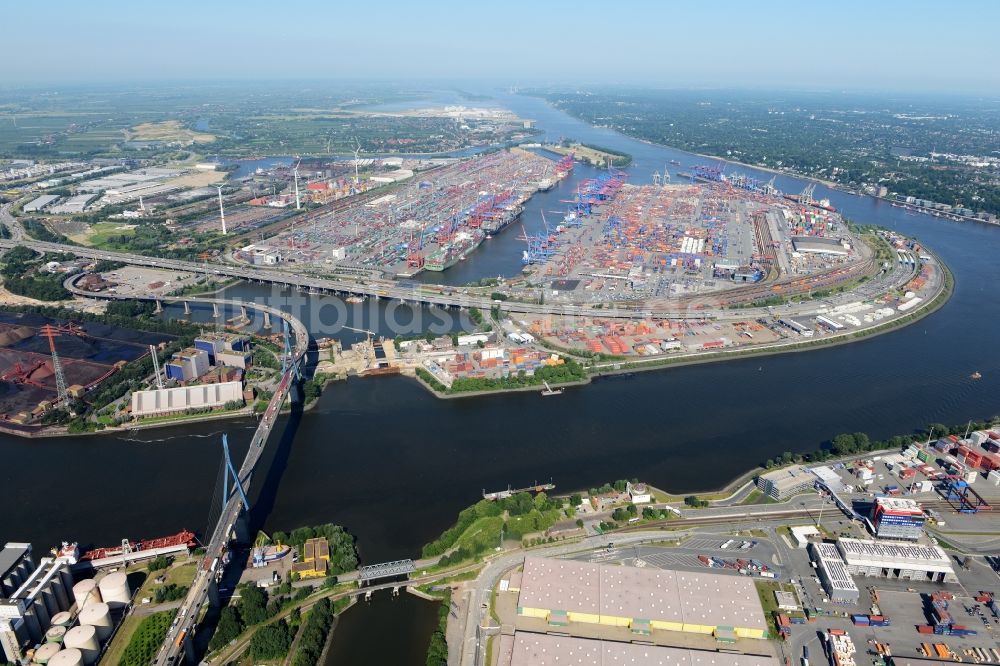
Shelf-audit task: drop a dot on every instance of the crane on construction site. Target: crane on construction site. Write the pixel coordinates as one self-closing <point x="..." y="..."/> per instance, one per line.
<point x="51" y="332"/>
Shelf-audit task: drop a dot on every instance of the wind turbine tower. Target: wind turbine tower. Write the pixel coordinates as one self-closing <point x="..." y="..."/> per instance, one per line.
<point x="298" y="202"/>
<point x="222" y="211"/>
<point x="357" y="151"/>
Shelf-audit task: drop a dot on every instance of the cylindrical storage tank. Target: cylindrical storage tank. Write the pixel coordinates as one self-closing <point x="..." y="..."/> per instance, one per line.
<point x="84" y="639"/>
<point x="55" y="634"/>
<point x="46" y="652"/>
<point x="69" y="657"/>
<point x="63" y="619"/>
<point x="114" y="589"/>
<point x="86" y="592"/>
<point x="99" y="617"/>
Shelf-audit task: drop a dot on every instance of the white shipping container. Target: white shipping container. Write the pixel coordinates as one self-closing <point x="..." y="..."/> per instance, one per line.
<point x="994" y="477"/>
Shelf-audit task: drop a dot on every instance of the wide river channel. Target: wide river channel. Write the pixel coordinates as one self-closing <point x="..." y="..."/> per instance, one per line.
<point x="394" y="465"/>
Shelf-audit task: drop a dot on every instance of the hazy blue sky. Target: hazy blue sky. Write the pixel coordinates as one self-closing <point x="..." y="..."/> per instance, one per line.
<point x="876" y="44"/>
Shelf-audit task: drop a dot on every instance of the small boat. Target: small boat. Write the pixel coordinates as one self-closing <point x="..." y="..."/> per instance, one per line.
<point x="975" y="375"/>
<point x="551" y="391"/>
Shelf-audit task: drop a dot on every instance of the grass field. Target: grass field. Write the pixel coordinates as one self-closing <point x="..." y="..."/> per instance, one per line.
<point x="98" y="234"/>
<point x="766" y="590"/>
<point x="144" y="640"/>
<point x="483" y="533"/>
<point x="121" y="640"/>
<point x="169" y="131"/>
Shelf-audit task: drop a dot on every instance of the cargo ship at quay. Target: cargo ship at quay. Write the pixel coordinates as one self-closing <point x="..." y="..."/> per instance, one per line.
<point x="127" y="550"/>
<point x="454" y="250"/>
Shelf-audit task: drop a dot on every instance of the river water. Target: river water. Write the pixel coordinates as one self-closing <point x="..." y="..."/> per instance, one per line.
<point x="394" y="465"/>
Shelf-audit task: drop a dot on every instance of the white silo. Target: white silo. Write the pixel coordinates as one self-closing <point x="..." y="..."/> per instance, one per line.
<point x="70" y="657"/>
<point x="99" y="617"/>
<point x="46" y="652"/>
<point x="84" y="639"/>
<point x="63" y="619"/>
<point x="55" y="634"/>
<point x="114" y="589"/>
<point x="86" y="592"/>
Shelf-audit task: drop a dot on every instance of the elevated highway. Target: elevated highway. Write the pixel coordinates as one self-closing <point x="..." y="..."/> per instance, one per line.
<point x="691" y="307"/>
<point x="203" y="588"/>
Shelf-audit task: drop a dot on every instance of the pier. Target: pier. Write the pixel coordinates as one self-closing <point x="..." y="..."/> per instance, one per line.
<point x="504" y="494"/>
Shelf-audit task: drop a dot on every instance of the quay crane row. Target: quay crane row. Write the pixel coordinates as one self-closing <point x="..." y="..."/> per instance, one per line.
<point x="203" y="588"/>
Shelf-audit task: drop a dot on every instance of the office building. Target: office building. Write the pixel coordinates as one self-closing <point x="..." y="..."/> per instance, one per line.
<point x="897" y="518"/>
<point x="786" y="482"/>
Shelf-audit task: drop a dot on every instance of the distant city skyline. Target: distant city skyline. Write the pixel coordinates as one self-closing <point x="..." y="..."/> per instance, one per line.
<point x="919" y="46"/>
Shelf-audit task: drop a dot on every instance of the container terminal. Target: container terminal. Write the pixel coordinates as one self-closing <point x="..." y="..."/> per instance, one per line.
<point x="429" y="224"/>
<point x="682" y="242"/>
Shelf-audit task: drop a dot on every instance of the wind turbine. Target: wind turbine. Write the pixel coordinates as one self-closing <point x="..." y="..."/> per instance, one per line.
<point x="298" y="202"/>
<point x="222" y="212"/>
<point x="357" y="151"/>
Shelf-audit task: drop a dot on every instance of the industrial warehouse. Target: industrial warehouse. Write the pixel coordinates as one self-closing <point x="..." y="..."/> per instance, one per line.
<point x="564" y="592"/>
<point x="166" y="401"/>
<point x="896" y="560"/>
<point x="530" y="649"/>
<point x="834" y="575"/>
<point x="838" y="563"/>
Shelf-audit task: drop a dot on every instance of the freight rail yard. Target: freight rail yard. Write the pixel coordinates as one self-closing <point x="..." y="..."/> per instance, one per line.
<point x="429" y="224"/>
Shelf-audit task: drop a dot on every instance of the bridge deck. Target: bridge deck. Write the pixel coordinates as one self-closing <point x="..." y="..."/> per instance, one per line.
<point x="386" y="569"/>
<point x="215" y="546"/>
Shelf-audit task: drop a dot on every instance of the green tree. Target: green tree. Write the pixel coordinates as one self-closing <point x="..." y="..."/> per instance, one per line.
<point x="271" y="641"/>
<point x="253" y="605"/>
<point x="229" y="627"/>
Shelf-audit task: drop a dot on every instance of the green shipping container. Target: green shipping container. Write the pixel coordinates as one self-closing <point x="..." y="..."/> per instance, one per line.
<point x="923" y="456"/>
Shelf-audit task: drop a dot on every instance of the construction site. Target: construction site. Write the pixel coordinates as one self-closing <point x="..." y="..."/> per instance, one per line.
<point x="428" y="224"/>
<point x="45" y="362"/>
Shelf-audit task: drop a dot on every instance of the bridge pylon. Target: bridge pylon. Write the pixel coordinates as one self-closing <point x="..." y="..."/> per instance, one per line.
<point x="287" y="355"/>
<point x="231" y="474"/>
